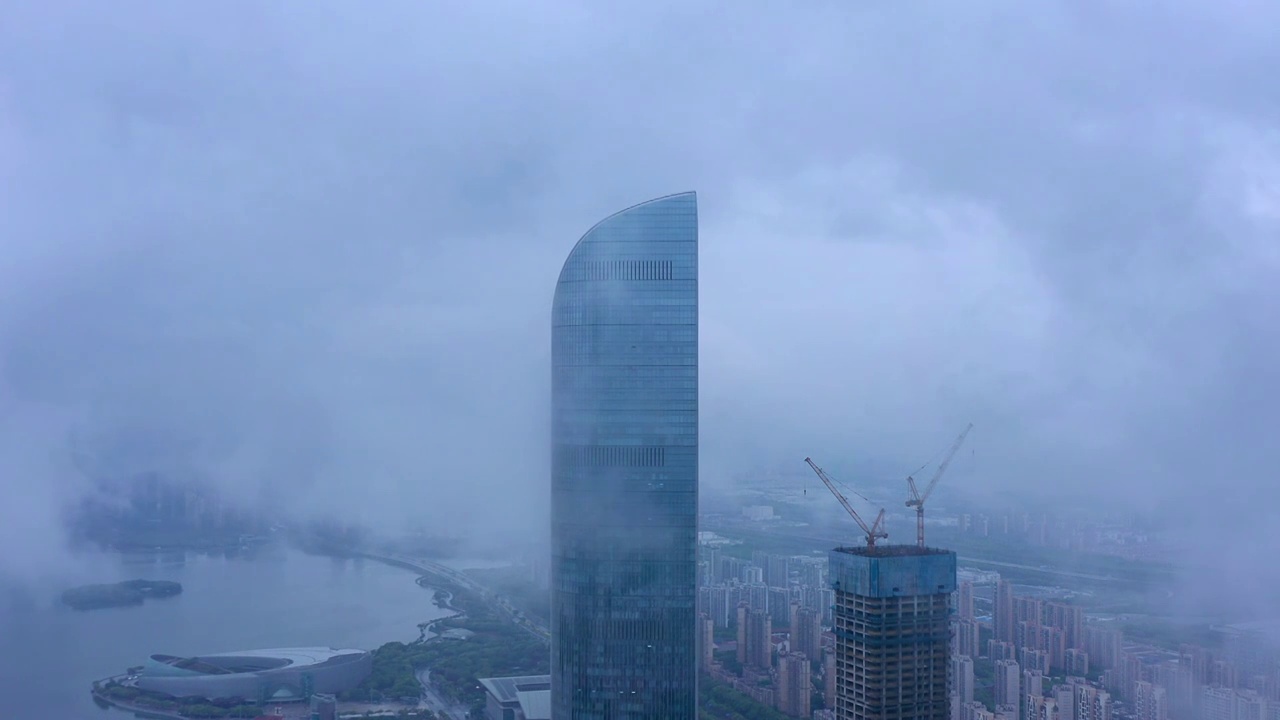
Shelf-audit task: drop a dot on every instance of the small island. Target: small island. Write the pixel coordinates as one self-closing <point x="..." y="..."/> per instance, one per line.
<point x="121" y="594"/>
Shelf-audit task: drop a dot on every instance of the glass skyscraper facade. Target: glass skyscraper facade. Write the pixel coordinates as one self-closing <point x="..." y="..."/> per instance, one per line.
<point x="624" y="469"/>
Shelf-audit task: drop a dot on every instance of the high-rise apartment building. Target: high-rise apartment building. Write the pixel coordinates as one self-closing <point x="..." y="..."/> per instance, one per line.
<point x="780" y="606"/>
<point x="806" y="631"/>
<point x="1026" y="634"/>
<point x="1197" y="659"/>
<point x="778" y="571"/>
<point x="1064" y="696"/>
<point x="1129" y="672"/>
<point x="1032" y="687"/>
<point x="975" y="711"/>
<point x="962" y="683"/>
<point x="1004" y="619"/>
<point x="1000" y="650"/>
<point x="1076" y="662"/>
<point x="1032" y="683"/>
<point x="1149" y="702"/>
<point x="1180" y="689"/>
<point x="717" y="604"/>
<point x="967" y="633"/>
<point x="624" y="469"/>
<point x="1091" y="703"/>
<point x="795" y="684"/>
<point x="1070" y="620"/>
<point x="1031" y="659"/>
<point x="1053" y="642"/>
<point x="1008" y="685"/>
<point x="812" y="574"/>
<point x="1218" y="703"/>
<point x="706" y="641"/>
<point x="964" y="600"/>
<point x="1104" y="645"/>
<point x="1042" y="708"/>
<point x="759" y="636"/>
<point x="1028" y="609"/>
<point x="892" y="631"/>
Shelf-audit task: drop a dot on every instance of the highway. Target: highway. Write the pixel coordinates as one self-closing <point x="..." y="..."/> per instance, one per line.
<point x="439" y="704"/>
<point x="498" y="602"/>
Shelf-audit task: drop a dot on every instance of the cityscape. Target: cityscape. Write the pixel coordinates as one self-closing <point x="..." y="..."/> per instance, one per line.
<point x="658" y="361"/>
<point x="658" y="609"/>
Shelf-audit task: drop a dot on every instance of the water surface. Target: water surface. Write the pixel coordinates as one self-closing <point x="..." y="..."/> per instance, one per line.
<point x="50" y="655"/>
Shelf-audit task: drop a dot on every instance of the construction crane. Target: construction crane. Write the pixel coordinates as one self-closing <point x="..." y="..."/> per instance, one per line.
<point x="917" y="498"/>
<point x="875" y="530"/>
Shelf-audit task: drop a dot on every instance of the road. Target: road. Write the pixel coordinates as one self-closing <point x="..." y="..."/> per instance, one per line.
<point x="434" y="700"/>
<point x="498" y="602"/>
<point x="437" y="703"/>
<point x="823" y="541"/>
<point x="1042" y="569"/>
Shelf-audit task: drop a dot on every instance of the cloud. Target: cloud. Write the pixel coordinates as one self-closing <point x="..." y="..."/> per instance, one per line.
<point x="311" y="250"/>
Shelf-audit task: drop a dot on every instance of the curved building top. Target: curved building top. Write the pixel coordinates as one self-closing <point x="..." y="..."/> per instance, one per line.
<point x="674" y="205"/>
<point x="626" y="237"/>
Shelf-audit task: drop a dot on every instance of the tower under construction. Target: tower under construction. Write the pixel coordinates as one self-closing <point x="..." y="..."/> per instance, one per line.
<point x="892" y="608"/>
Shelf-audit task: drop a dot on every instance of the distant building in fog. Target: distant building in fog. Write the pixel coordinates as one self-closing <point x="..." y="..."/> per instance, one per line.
<point x="1149" y="702"/>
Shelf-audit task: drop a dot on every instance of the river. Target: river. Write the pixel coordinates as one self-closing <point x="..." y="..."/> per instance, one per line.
<point x="50" y="655"/>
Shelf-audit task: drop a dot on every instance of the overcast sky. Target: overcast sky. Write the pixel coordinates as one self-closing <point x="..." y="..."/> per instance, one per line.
<point x="312" y="245"/>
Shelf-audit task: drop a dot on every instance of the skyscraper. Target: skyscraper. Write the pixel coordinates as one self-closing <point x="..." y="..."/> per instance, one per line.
<point x="892" y="631"/>
<point x="624" y="469"/>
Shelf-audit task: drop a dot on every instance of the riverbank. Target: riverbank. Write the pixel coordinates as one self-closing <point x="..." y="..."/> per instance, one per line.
<point x="485" y="637"/>
<point x="443" y="600"/>
<point x="467" y="633"/>
<point x="299" y="600"/>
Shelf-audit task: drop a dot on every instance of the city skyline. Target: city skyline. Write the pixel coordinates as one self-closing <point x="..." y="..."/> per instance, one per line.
<point x="278" y="280"/>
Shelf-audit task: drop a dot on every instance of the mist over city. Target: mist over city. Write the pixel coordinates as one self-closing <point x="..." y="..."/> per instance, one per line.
<point x="277" y="280"/>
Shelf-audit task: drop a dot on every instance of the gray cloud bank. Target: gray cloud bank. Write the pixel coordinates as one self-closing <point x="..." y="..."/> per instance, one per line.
<point x="313" y="245"/>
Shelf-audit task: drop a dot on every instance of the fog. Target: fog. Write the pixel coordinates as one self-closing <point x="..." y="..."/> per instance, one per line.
<point x="307" y="250"/>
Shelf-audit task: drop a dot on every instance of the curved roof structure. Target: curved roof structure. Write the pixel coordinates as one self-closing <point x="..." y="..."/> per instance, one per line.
<point x="275" y="674"/>
<point x="657" y="205"/>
